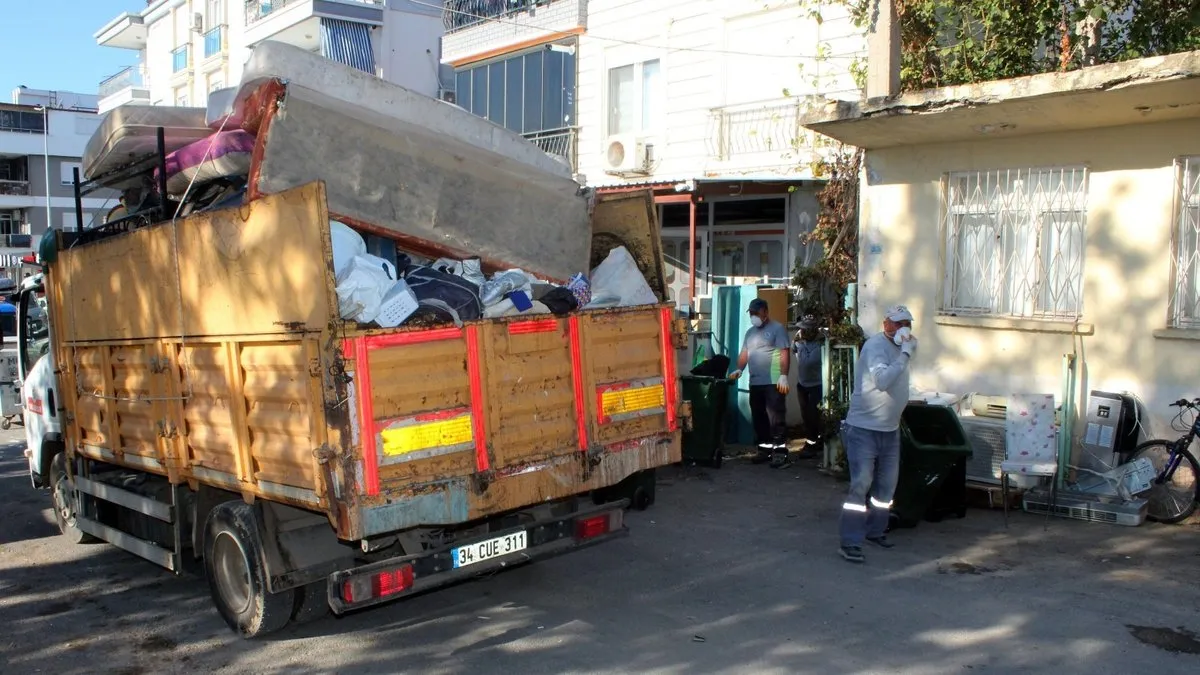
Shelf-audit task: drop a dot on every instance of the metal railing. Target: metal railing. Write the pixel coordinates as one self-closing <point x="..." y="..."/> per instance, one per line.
<point x="179" y="59"/>
<point x="559" y="142"/>
<point x="124" y="79"/>
<point x="460" y="14"/>
<point x="14" y="188"/>
<point x="17" y="240"/>
<point x="765" y="127"/>
<point x="214" y="42"/>
<point x="257" y="10"/>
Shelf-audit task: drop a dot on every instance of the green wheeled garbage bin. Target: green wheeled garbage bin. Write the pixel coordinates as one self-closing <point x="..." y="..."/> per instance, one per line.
<point x="709" y="396"/>
<point x="933" y="455"/>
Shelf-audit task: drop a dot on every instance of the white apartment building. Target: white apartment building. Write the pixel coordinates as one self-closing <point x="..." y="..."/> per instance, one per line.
<point x="698" y="99"/>
<point x="42" y="138"/>
<point x="188" y="48"/>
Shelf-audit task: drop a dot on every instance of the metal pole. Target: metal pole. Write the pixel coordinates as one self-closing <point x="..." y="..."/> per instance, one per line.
<point x="46" y="158"/>
<point x="692" y="255"/>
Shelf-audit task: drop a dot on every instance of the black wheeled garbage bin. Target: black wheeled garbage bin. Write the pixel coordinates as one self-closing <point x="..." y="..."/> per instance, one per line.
<point x="705" y="443"/>
<point x="933" y="454"/>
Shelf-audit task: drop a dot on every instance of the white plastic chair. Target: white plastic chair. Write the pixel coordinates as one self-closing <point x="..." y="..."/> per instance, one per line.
<point x="1032" y="443"/>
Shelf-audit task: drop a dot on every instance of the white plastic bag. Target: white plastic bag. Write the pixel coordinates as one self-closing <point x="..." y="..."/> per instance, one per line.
<point x="362" y="286"/>
<point x="346" y="244"/>
<point x="619" y="277"/>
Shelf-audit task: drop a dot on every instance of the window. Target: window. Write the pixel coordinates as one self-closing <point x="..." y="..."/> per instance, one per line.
<point x="216" y="13"/>
<point x="9" y="223"/>
<point x="1014" y="243"/>
<point x="1185" y="298"/>
<point x="29" y="122"/>
<point x="69" y="223"/>
<point x="181" y="97"/>
<point x="634" y="98"/>
<point x="215" y="84"/>
<point x="179" y="59"/>
<point x="529" y="93"/>
<point x="67" y="173"/>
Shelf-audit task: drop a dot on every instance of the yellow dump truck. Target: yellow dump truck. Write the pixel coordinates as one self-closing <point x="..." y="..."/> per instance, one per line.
<point x="203" y="400"/>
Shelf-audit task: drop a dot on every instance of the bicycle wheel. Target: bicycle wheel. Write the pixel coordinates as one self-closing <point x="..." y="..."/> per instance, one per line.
<point x="1175" y="498"/>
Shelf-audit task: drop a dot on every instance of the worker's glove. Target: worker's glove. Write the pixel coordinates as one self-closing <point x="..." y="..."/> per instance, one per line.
<point x="782" y="384"/>
<point x="909" y="346"/>
<point x="735" y="374"/>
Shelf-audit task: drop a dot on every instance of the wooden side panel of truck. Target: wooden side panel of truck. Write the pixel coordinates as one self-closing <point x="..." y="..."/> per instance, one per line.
<point x="210" y="351"/>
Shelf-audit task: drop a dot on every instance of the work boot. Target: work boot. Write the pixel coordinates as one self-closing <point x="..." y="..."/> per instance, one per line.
<point x="881" y="541"/>
<point x="853" y="554"/>
<point x="780" y="460"/>
<point x="761" y="457"/>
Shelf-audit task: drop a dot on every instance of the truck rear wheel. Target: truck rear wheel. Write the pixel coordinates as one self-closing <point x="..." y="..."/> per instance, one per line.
<point x="233" y="563"/>
<point x="63" y="495"/>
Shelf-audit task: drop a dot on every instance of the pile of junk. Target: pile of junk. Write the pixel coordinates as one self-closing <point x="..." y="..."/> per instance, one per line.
<point x="436" y="215"/>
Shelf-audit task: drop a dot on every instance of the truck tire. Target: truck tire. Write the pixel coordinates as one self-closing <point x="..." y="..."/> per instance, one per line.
<point x="62" y="493"/>
<point x="233" y="564"/>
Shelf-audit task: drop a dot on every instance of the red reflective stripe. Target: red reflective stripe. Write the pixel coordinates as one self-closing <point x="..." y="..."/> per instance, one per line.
<point x="366" y="413"/>
<point x="440" y="415"/>
<point x="412" y="338"/>
<point x="535" y="326"/>
<point x="669" y="370"/>
<point x="477" y="412"/>
<point x="577" y="377"/>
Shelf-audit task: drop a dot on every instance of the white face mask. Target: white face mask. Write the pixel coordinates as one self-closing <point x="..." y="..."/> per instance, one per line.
<point x="756" y="321"/>
<point x="901" y="335"/>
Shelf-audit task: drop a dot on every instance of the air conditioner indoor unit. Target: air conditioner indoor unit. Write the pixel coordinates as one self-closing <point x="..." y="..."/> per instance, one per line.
<point x="625" y="153"/>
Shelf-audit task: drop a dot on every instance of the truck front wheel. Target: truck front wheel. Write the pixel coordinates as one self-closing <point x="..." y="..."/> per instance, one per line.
<point x="63" y="494"/>
<point x="233" y="563"/>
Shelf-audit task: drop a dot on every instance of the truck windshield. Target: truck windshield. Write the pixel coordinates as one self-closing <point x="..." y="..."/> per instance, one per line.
<point x="34" y="334"/>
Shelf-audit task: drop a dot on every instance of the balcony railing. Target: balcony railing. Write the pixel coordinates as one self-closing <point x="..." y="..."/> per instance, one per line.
<point x="13" y="240"/>
<point x="459" y="14"/>
<point x="772" y="127"/>
<point x="14" y="188"/>
<point x="22" y="122"/>
<point x="126" y="78"/>
<point x="214" y="42"/>
<point x="559" y="142"/>
<point x="179" y="59"/>
<point x="257" y="10"/>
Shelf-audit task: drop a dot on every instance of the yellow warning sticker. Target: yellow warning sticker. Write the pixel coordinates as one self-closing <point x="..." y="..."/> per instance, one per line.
<point x="427" y="435"/>
<point x="623" y="401"/>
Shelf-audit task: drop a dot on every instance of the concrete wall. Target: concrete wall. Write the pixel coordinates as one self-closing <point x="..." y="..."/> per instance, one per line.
<point x="754" y="55"/>
<point x="1126" y="275"/>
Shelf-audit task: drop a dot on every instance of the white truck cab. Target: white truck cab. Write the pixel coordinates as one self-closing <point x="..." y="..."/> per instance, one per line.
<point x="43" y="424"/>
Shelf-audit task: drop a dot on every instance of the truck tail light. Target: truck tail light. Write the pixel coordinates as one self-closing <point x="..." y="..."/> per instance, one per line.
<point x="598" y="526"/>
<point x="375" y="585"/>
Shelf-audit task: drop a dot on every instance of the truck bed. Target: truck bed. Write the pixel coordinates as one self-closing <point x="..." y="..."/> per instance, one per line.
<point x="210" y="351"/>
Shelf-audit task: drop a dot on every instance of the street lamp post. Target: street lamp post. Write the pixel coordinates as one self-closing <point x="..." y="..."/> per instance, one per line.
<point x="46" y="158"/>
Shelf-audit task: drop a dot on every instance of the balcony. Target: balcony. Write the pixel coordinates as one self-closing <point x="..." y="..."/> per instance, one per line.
<point x="180" y="60"/>
<point x="562" y="143"/>
<point x="14" y="188"/>
<point x="214" y="42"/>
<point x="298" y="22"/>
<point x="17" y="240"/>
<point x="765" y="135"/>
<point x="472" y="28"/>
<point x="127" y="86"/>
<point x="127" y="31"/>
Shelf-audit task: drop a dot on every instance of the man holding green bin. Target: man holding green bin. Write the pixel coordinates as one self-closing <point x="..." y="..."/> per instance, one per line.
<point x="871" y="433"/>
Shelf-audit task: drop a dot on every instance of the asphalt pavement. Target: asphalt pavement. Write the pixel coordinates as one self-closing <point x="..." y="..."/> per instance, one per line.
<point x="733" y="571"/>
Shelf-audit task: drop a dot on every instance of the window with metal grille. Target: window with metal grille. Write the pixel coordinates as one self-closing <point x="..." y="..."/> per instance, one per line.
<point x="1185" y="299"/>
<point x="1014" y="242"/>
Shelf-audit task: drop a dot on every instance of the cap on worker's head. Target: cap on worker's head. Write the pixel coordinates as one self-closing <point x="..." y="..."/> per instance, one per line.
<point x="758" y="305"/>
<point x="898" y="313"/>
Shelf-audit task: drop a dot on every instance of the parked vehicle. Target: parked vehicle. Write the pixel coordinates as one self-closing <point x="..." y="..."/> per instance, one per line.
<point x="203" y="400"/>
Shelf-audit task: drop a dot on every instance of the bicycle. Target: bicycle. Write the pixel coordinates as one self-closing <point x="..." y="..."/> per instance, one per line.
<point x="1173" y="493"/>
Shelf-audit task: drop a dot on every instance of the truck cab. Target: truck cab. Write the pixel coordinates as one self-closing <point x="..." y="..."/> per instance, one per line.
<point x="36" y="382"/>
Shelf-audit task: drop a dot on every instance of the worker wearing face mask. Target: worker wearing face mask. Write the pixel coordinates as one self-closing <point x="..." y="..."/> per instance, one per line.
<point x="872" y="433"/>
<point x="808" y="349"/>
<point x="766" y="352"/>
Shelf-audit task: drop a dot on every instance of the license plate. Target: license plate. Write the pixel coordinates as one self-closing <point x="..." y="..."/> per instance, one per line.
<point x="491" y="548"/>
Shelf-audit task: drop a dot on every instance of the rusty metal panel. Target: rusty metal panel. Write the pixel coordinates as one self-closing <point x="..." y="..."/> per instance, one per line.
<point x="275" y="386"/>
<point x="625" y="351"/>
<point x="216" y="273"/>
<point x="530" y="392"/>
<point x="629" y="219"/>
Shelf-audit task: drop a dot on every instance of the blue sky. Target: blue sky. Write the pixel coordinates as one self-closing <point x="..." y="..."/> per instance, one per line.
<point x="48" y="44"/>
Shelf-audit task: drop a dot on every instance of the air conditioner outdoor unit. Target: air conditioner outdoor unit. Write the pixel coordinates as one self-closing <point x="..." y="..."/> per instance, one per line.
<point x="984" y="405"/>
<point x="198" y="22"/>
<point x="625" y="153"/>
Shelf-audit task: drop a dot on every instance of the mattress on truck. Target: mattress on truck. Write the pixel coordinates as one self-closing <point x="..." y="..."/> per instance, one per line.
<point x="434" y="177"/>
<point x="129" y="134"/>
